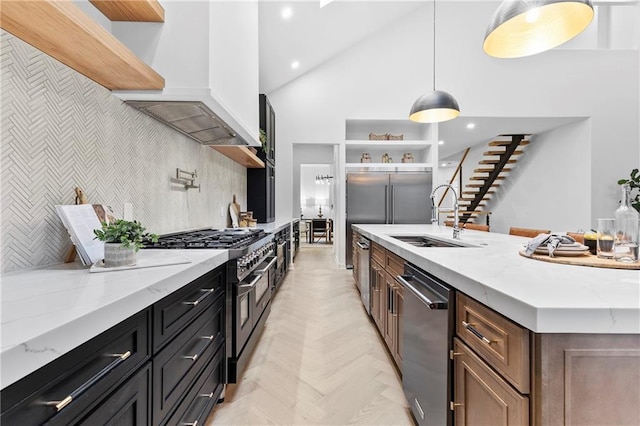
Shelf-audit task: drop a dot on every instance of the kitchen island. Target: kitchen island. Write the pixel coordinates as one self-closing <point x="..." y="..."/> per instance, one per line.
<point x="543" y="297"/>
<point x="529" y="342"/>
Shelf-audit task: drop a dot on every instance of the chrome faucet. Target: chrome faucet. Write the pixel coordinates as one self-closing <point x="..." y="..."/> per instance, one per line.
<point x="435" y="210"/>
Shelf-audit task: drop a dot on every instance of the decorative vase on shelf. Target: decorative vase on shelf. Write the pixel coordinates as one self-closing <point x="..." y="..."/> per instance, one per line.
<point x="116" y="255"/>
<point x="366" y="158"/>
<point x="626" y="241"/>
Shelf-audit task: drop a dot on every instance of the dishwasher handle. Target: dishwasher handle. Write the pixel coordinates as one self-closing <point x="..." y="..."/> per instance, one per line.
<point x="362" y="246"/>
<point x="434" y="305"/>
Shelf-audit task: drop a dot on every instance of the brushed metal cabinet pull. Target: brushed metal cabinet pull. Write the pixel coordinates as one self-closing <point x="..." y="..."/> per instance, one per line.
<point x="195" y="422"/>
<point x="59" y="405"/>
<point x="197" y="355"/>
<point x="207" y="292"/>
<point x="476" y="333"/>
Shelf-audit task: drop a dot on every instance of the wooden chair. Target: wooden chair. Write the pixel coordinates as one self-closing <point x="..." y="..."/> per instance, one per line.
<point x="473" y="226"/>
<point x="526" y="232"/>
<point x="318" y="229"/>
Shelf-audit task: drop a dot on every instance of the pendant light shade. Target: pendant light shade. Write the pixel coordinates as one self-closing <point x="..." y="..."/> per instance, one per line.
<point x="437" y="105"/>
<point x="434" y="107"/>
<point x="526" y="27"/>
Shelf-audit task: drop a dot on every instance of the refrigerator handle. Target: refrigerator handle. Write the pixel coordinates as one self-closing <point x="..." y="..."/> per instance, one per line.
<point x="386" y="204"/>
<point x="393" y="206"/>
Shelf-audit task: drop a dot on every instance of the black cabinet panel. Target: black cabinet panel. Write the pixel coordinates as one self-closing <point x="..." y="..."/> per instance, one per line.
<point x="81" y="378"/>
<point x="205" y="392"/>
<point x="261" y="183"/>
<point x="174" y="312"/>
<point x="177" y="366"/>
<point x="127" y="406"/>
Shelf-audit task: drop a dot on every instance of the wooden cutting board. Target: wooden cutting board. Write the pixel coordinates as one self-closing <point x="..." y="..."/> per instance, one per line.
<point x="584" y="260"/>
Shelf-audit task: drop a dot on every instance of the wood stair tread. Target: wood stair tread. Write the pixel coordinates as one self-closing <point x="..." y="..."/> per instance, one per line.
<point x="485" y="177"/>
<point x="506" y="143"/>
<point x="489" y="170"/>
<point x="496" y="161"/>
<point x="475" y="192"/>
<point x="480" y="185"/>
<point x="501" y="152"/>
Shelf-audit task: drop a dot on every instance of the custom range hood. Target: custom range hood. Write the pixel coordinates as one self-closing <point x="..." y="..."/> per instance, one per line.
<point x="207" y="53"/>
<point x="191" y="118"/>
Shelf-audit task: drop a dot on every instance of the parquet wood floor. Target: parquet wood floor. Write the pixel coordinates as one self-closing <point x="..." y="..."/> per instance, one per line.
<point x="319" y="360"/>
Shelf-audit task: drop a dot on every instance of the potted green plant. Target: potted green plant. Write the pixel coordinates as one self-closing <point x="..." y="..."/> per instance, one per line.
<point x="634" y="184"/>
<point x="122" y="240"/>
<point x="263" y="140"/>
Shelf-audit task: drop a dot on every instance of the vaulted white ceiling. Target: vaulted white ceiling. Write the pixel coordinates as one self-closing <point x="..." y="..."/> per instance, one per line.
<point x="314" y="34"/>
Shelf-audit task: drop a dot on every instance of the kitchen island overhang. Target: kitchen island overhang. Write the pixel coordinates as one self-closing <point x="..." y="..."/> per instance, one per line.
<point x="543" y="297"/>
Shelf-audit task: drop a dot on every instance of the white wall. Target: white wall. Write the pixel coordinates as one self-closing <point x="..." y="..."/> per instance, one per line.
<point x="302" y="154"/>
<point x="381" y="77"/>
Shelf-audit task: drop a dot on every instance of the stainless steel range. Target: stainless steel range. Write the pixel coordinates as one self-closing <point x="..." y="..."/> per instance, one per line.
<point x="251" y="271"/>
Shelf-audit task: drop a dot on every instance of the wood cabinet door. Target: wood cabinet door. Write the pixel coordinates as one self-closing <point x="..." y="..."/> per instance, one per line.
<point x="389" y="325"/>
<point x="397" y="314"/>
<point x="481" y="396"/>
<point x="378" y="292"/>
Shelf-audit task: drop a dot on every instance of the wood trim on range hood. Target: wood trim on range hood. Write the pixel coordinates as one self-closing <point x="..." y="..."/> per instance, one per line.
<point x="60" y="29"/>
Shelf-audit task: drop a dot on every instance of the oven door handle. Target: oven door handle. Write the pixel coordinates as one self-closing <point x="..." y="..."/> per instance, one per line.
<point x="251" y="284"/>
<point x="266" y="268"/>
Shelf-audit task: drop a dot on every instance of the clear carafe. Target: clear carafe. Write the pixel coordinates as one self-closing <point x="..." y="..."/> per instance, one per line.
<point x="626" y="240"/>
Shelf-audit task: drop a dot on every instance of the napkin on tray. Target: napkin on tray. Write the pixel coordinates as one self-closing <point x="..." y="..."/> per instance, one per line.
<point x="552" y="241"/>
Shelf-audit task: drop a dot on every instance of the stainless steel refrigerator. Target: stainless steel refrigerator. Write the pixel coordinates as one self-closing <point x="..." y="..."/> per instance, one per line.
<point x="386" y="198"/>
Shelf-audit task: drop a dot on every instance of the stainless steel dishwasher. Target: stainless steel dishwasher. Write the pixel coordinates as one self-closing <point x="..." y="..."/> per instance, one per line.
<point x="427" y="338"/>
<point x="363" y="272"/>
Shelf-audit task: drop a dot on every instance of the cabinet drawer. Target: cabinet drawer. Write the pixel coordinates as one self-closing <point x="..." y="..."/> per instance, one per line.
<point x="481" y="396"/>
<point x="73" y="384"/>
<point x="129" y="405"/>
<point x="177" y="366"/>
<point x="204" y="394"/>
<point x="503" y="344"/>
<point x="394" y="265"/>
<point x="378" y="253"/>
<point x="174" y="312"/>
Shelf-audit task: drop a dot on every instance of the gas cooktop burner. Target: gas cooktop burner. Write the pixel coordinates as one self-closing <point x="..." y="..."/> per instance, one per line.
<point x="233" y="238"/>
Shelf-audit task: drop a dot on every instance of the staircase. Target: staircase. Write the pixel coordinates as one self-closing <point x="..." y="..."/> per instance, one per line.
<point x="494" y="167"/>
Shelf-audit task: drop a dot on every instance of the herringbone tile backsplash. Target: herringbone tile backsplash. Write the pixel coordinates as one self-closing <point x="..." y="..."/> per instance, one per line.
<point x="61" y="130"/>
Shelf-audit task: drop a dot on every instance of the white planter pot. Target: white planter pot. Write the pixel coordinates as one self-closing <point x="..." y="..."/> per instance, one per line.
<point x="115" y="255"/>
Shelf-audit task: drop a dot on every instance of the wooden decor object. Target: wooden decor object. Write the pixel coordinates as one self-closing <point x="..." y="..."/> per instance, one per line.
<point x="586" y="259"/>
<point x="241" y="155"/>
<point x="526" y="232"/>
<point x="130" y="10"/>
<point x="60" y="29"/>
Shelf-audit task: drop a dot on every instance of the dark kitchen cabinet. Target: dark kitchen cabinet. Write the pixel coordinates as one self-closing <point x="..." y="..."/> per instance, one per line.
<point x="128" y="406"/>
<point x="165" y="363"/>
<point x="67" y="389"/>
<point x="261" y="183"/>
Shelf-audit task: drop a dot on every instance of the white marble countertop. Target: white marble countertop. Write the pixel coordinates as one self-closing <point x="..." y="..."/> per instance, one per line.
<point x="274" y="226"/>
<point x="543" y="297"/>
<point x="47" y="312"/>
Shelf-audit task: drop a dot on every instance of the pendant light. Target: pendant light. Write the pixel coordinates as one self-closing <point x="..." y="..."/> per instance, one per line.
<point x="526" y="27"/>
<point x="435" y="106"/>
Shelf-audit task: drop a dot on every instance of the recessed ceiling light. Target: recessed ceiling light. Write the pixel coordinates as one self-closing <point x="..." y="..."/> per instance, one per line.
<point x="440" y="142"/>
<point x="444" y="164"/>
<point x="470" y="126"/>
<point x="287" y="13"/>
<point x="295" y="64"/>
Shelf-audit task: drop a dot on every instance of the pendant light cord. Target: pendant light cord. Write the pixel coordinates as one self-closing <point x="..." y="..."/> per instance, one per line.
<point x="434" y="45"/>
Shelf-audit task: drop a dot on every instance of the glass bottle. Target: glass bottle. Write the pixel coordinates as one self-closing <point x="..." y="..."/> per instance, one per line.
<point x="626" y="242"/>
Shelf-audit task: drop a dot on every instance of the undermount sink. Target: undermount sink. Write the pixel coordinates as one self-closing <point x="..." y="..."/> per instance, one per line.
<point x="422" y="241"/>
